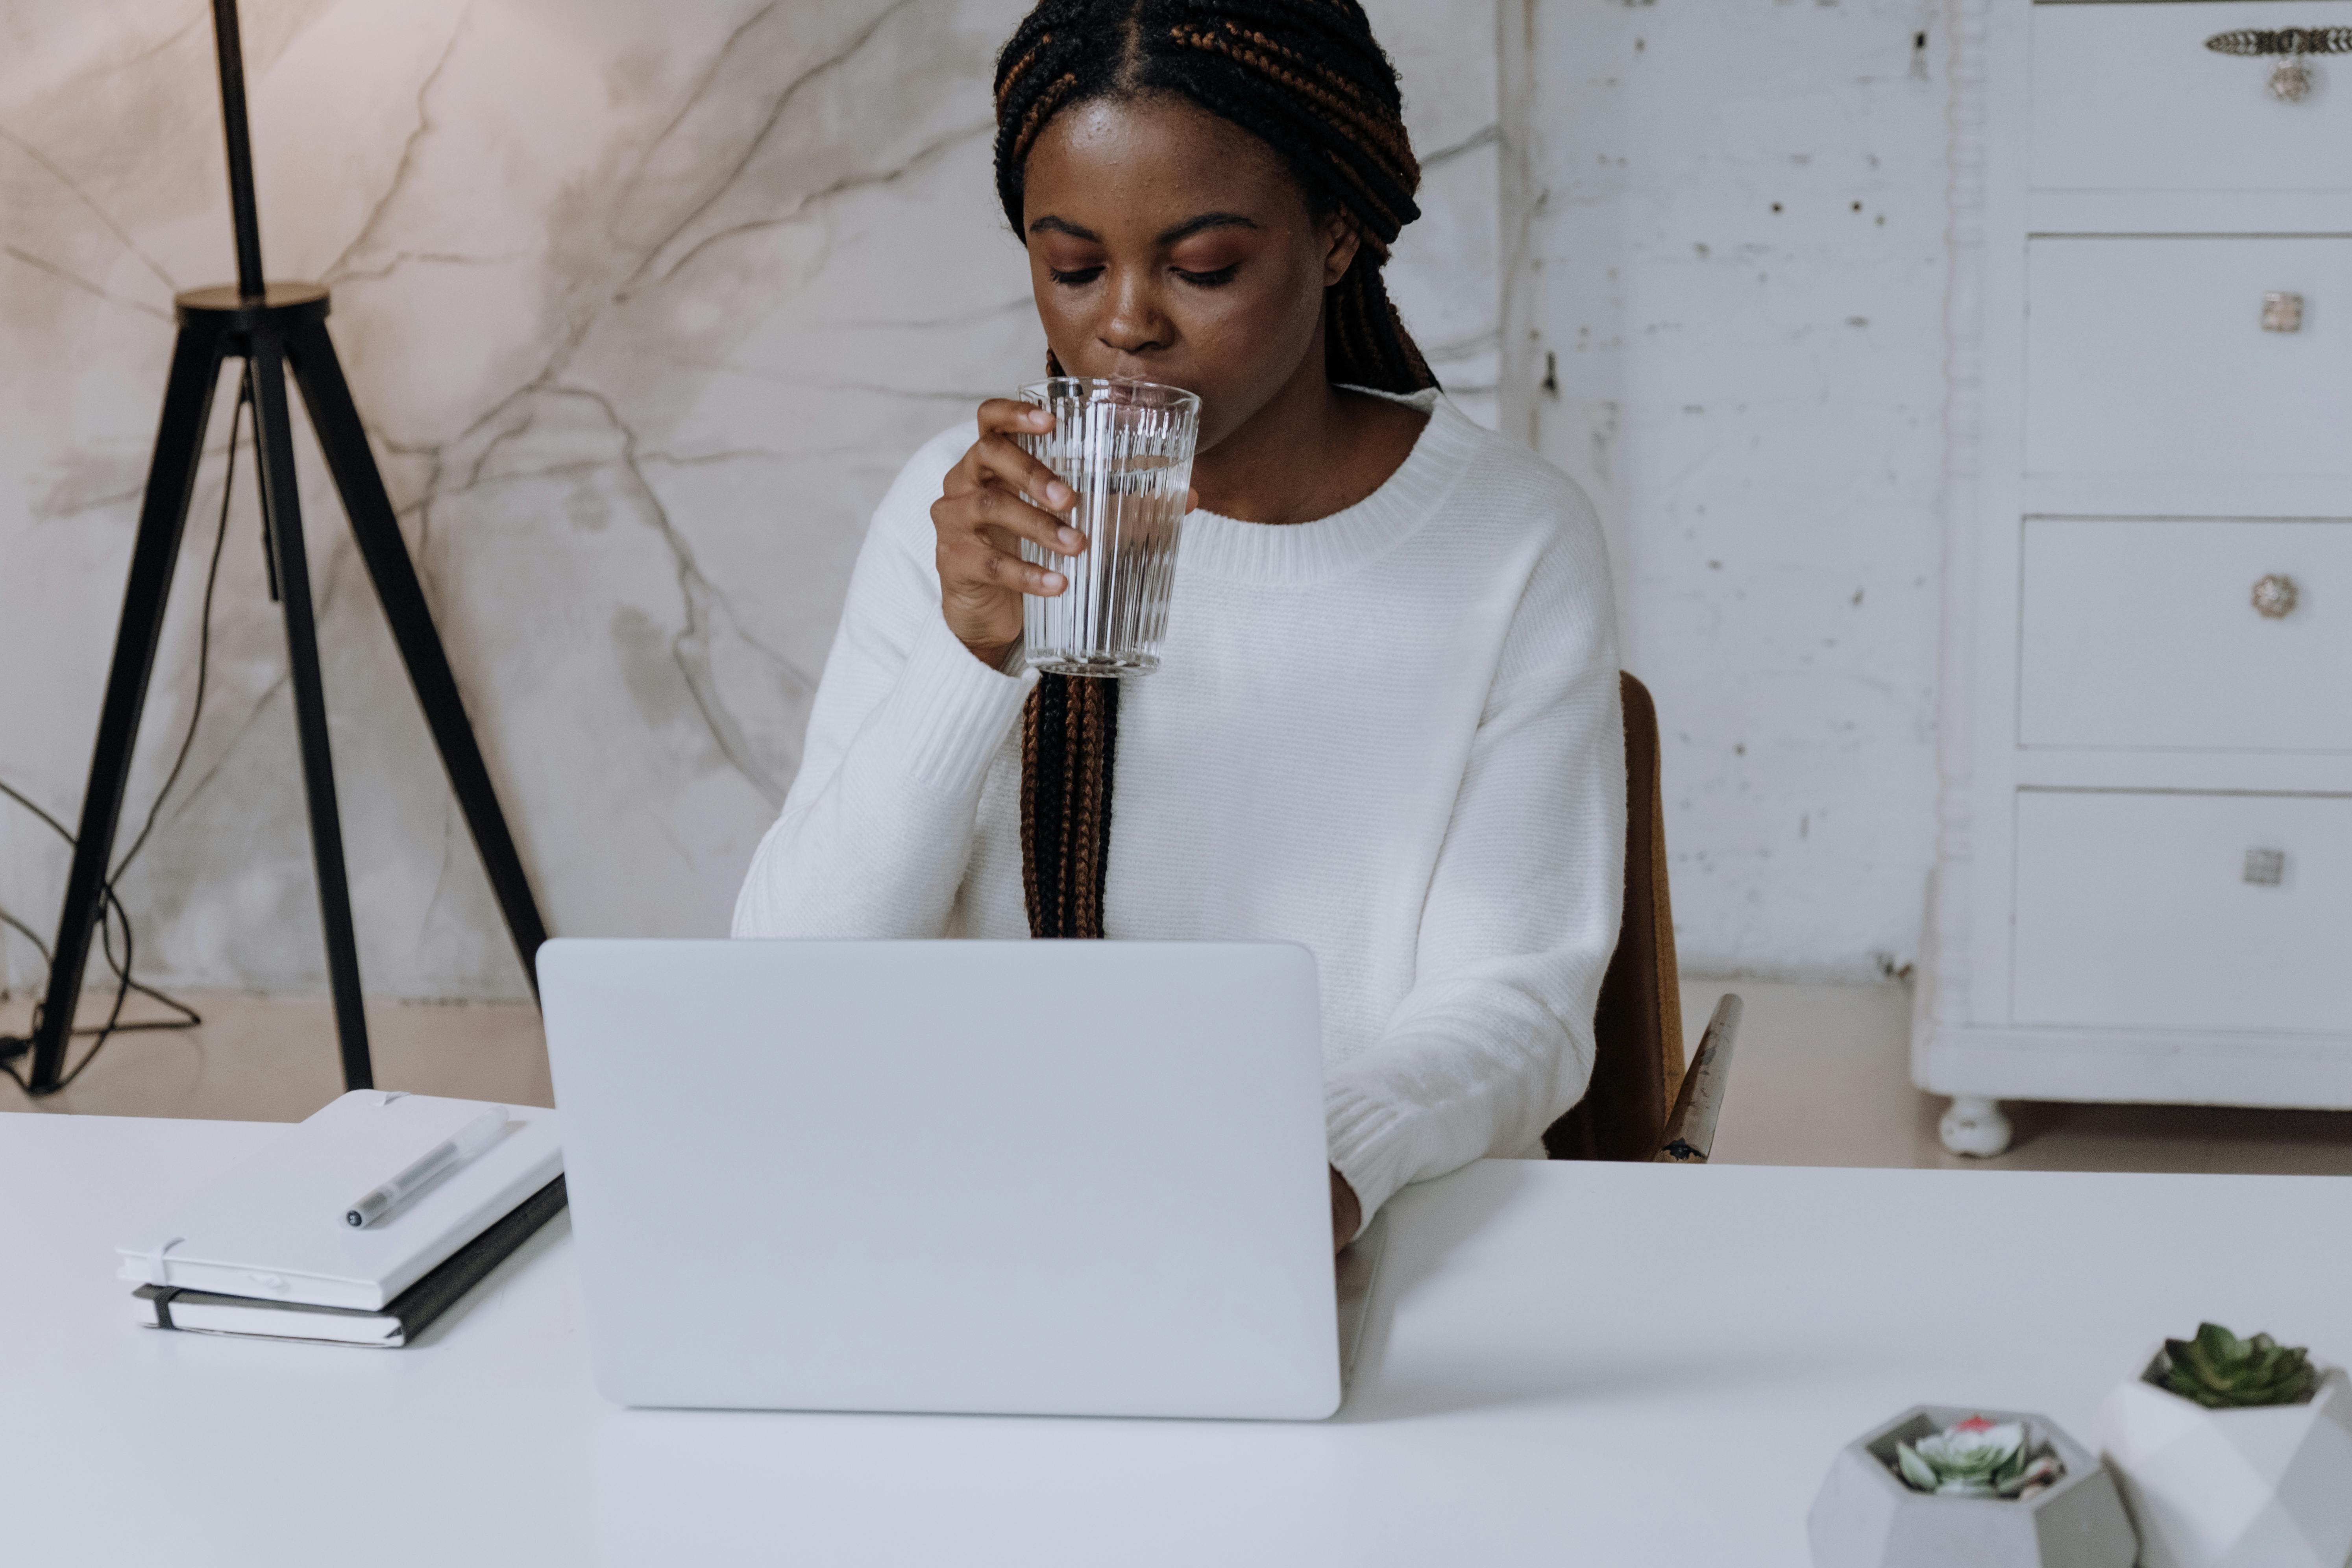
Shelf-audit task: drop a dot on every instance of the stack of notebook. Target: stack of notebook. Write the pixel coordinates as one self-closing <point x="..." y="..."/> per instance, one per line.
<point x="277" y="1246"/>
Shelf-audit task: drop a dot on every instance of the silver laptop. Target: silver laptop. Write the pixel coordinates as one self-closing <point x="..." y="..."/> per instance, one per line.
<point x="1028" y="1177"/>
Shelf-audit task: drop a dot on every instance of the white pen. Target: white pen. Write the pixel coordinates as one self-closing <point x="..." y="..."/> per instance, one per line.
<point x="462" y="1145"/>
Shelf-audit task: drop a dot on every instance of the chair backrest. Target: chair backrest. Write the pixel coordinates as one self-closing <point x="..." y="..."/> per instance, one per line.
<point x="1689" y="1137"/>
<point x="1637" y="1028"/>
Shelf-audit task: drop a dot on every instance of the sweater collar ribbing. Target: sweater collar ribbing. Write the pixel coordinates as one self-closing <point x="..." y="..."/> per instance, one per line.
<point x="1214" y="545"/>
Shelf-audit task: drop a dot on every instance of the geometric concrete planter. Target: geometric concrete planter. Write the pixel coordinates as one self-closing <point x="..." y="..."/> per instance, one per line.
<point x="1867" y="1517"/>
<point x="2269" y="1486"/>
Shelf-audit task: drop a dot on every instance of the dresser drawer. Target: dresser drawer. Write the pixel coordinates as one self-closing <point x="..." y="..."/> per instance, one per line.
<point x="2151" y="911"/>
<point x="2128" y="98"/>
<point x="2147" y="633"/>
<point x="2152" y="356"/>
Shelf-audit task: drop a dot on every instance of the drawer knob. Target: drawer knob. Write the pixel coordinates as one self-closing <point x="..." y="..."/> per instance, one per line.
<point x="2291" y="81"/>
<point x="2265" y="868"/>
<point x="2274" y="597"/>
<point x="2282" y="311"/>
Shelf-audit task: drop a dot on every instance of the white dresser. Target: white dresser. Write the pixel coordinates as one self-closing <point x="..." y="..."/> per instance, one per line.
<point x="2144" y="877"/>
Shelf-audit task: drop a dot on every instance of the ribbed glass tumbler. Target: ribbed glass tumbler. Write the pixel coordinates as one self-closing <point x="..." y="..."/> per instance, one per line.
<point x="1126" y="448"/>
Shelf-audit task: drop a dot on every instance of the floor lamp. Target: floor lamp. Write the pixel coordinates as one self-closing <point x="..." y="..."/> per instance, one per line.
<point x="274" y="328"/>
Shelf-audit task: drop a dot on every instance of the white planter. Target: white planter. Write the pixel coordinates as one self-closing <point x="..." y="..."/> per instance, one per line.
<point x="2265" y="1488"/>
<point x="1867" y="1517"/>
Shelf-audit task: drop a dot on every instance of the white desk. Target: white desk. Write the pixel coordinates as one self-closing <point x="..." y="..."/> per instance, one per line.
<point x="1565" y="1364"/>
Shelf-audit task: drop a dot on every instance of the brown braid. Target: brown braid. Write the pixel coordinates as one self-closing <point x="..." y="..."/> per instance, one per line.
<point x="1039" y="112"/>
<point x="1307" y="79"/>
<point x="1069" y="733"/>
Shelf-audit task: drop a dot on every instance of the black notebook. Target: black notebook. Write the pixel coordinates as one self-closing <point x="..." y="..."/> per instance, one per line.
<point x="393" y="1325"/>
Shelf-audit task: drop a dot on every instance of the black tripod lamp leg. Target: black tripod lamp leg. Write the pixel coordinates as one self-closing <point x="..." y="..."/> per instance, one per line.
<point x="282" y="507"/>
<point x="170" y="480"/>
<point x="344" y="441"/>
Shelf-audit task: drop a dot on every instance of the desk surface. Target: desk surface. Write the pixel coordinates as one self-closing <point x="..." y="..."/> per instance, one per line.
<point x="1564" y="1362"/>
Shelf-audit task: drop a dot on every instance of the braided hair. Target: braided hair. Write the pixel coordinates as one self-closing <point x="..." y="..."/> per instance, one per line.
<point x="1307" y="77"/>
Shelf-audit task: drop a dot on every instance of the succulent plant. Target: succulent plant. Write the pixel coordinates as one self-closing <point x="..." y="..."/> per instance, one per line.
<point x="1977" y="1457"/>
<point x="2220" y="1371"/>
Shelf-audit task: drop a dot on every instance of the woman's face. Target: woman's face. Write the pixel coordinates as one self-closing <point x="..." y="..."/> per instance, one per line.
<point x="1171" y="245"/>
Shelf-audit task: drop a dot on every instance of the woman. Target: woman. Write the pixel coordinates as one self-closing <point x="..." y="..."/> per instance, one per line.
<point x="1385" y="724"/>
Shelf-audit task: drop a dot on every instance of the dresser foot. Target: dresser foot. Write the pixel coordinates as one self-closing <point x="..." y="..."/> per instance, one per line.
<point x="1974" y="1127"/>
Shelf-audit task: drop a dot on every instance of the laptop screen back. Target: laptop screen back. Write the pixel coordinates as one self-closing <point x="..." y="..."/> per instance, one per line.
<point x="1077" y="1178"/>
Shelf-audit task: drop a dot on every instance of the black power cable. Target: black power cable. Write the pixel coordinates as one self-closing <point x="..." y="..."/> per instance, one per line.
<point x="111" y="913"/>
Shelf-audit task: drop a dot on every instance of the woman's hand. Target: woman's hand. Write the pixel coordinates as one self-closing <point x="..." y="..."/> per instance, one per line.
<point x="1347" y="1212"/>
<point x="981" y="519"/>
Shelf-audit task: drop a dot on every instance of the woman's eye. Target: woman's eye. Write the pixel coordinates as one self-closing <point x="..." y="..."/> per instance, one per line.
<point x="1074" y="277"/>
<point x="1217" y="279"/>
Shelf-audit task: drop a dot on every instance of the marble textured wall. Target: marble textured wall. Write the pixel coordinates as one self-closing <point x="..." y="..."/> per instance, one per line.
<point x="1726" y="319"/>
<point x="644" y="305"/>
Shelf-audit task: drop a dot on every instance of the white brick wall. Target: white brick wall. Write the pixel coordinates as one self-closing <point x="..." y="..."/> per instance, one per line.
<point x="1733" y="270"/>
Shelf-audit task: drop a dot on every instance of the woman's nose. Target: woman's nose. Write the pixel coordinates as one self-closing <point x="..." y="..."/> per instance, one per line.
<point x="1132" y="321"/>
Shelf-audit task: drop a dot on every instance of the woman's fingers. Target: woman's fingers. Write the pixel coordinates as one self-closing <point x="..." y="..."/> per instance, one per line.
<point x="1007" y="416"/>
<point x="1011" y="572"/>
<point x="997" y="457"/>
<point x="982" y="521"/>
<point x="1000" y="464"/>
<point x="1346" y="1212"/>
<point x="1012" y="414"/>
<point x="1000" y="509"/>
<point x="972" y="563"/>
<point x="979" y="534"/>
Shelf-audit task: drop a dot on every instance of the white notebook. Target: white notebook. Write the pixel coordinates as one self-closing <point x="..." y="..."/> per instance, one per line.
<point x="207" y="1314"/>
<point x="272" y="1226"/>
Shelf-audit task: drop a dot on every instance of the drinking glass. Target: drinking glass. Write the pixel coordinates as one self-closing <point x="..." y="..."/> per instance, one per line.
<point x="1125" y="448"/>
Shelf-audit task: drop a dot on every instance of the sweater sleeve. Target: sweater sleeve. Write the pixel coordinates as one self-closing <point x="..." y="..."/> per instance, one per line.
<point x="1495" y="1040"/>
<point x="877" y="826"/>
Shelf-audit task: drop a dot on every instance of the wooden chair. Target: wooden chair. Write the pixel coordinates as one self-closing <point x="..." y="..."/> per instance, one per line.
<point x="1641" y="1103"/>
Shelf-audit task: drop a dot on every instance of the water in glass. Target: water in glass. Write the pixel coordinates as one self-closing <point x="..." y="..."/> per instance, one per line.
<point x="1126" y="448"/>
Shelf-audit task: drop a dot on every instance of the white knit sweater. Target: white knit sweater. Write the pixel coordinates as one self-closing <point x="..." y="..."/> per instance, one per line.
<point x="1392" y="734"/>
